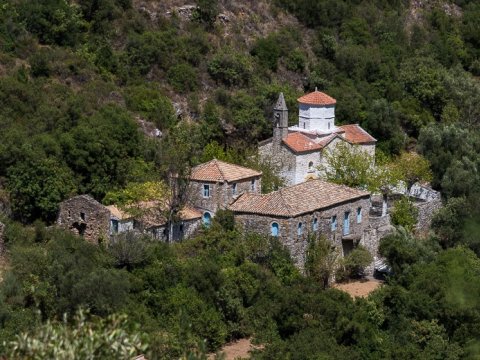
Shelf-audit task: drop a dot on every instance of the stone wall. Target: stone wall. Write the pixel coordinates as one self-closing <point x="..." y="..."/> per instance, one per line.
<point x="2" y="238"/>
<point x="181" y="231"/>
<point x="281" y="158"/>
<point x="426" y="211"/>
<point x="378" y="228"/>
<point x="86" y="217"/>
<point x="297" y="244"/>
<point x="221" y="194"/>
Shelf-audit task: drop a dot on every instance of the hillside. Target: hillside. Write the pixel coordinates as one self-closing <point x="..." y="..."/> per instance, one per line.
<point x="121" y="98"/>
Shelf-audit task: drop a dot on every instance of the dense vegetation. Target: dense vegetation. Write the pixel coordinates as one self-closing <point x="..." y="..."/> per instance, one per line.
<point x="77" y="76"/>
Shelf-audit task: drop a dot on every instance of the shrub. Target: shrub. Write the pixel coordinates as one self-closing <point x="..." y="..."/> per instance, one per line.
<point x="230" y="68"/>
<point x="404" y="214"/>
<point x="295" y="61"/>
<point x="183" y="78"/>
<point x="267" y="51"/>
<point x="151" y="104"/>
<point x="353" y="265"/>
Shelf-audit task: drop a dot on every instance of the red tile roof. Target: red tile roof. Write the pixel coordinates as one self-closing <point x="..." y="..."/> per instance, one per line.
<point x="151" y="213"/>
<point x="354" y="134"/>
<point x="220" y="171"/>
<point x="296" y="200"/>
<point x="300" y="142"/>
<point x="317" y="98"/>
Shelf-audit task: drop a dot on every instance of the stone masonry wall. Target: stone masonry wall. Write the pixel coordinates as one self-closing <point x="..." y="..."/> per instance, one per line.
<point x="426" y="211"/>
<point x="85" y="216"/>
<point x="2" y="238"/>
<point x="281" y="159"/>
<point x="288" y="227"/>
<point x="221" y="194"/>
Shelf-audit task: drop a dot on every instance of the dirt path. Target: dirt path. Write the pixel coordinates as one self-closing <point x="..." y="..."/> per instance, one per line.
<point x="236" y="350"/>
<point x="359" y="288"/>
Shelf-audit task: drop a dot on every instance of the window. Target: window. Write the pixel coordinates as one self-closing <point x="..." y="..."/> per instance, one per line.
<point x="315" y="224"/>
<point x="252" y="185"/>
<point x="300" y="229"/>
<point x="206" y="191"/>
<point x="114" y="226"/>
<point x="334" y="222"/>
<point x="304" y="125"/>
<point x="275" y="229"/>
<point x="234" y="189"/>
<point x="310" y="166"/>
<point x="82" y="216"/>
<point x="329" y="125"/>
<point x="346" y="223"/>
<point x="359" y="215"/>
<point x="207" y="219"/>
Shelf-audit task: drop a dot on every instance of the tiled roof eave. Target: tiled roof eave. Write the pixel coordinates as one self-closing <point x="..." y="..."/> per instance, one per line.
<point x="288" y="215"/>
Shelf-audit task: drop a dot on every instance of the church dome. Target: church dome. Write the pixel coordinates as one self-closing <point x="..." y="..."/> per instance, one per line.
<point x="317" y="98"/>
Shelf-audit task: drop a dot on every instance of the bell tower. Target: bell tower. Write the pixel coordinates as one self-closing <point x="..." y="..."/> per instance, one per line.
<point x="280" y="120"/>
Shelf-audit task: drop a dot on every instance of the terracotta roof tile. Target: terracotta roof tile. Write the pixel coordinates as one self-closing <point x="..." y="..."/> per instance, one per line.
<point x="220" y="171"/>
<point x="295" y="200"/>
<point x="354" y="134"/>
<point x="150" y="213"/>
<point x="317" y="98"/>
<point x="300" y="142"/>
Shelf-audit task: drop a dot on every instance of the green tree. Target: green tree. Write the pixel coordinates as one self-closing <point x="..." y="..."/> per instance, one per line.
<point x="112" y="337"/>
<point x="404" y="214"/>
<point x="37" y="187"/>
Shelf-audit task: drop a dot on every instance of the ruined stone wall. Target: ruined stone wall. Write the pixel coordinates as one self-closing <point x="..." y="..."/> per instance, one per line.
<point x="426" y="211"/>
<point x="86" y="217"/>
<point x="378" y="228"/>
<point x="181" y="231"/>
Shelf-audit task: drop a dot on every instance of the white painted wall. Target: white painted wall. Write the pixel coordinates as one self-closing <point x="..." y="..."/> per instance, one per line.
<point x="312" y="117"/>
<point x="302" y="168"/>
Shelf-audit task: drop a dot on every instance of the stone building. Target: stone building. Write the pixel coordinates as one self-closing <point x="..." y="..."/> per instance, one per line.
<point x="149" y="218"/>
<point x="216" y="184"/>
<point x="95" y="222"/>
<point x="338" y="212"/>
<point x="299" y="150"/>
<point x="86" y="217"/>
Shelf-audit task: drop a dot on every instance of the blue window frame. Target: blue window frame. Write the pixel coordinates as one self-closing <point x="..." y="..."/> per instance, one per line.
<point x="334" y="222"/>
<point x="206" y="191"/>
<point x="359" y="215"/>
<point x="300" y="229"/>
<point x="114" y="226"/>
<point x="252" y="185"/>
<point x="234" y="189"/>
<point x="346" y="223"/>
<point x="315" y="224"/>
<point x="275" y="229"/>
<point x="207" y="219"/>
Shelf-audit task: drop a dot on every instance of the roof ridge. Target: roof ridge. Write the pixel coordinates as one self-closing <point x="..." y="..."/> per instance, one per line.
<point x="290" y="210"/>
<point x="219" y="169"/>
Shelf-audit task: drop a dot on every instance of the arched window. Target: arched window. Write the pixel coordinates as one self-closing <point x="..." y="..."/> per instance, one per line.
<point x="310" y="166"/>
<point x="275" y="229"/>
<point x="315" y="224"/>
<point x="300" y="229"/>
<point x="207" y="219"/>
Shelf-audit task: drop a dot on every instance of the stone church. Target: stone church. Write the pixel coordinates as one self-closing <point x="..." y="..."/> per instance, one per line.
<point x="297" y="151"/>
